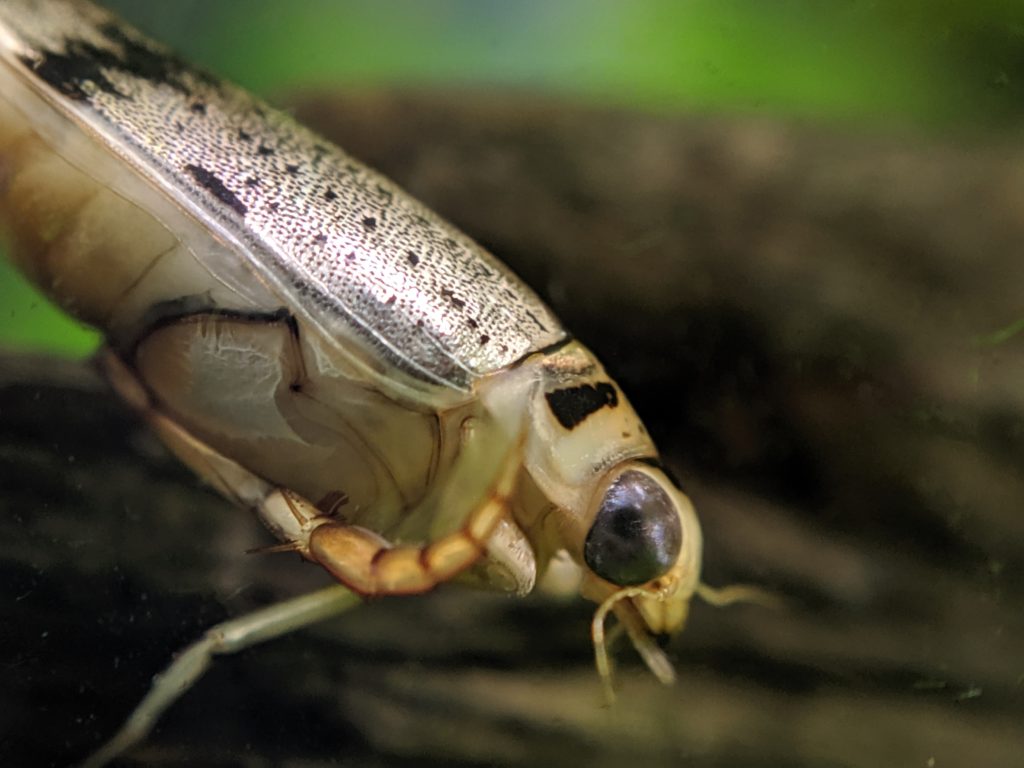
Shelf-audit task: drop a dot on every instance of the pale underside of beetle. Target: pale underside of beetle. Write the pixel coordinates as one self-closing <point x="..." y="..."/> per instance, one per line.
<point x="394" y="403"/>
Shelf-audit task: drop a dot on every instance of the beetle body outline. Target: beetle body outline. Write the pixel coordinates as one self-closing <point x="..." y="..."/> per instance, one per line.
<point x="396" y="404"/>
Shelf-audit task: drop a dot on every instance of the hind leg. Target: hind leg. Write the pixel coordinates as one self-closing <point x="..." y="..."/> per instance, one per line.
<point x="228" y="637"/>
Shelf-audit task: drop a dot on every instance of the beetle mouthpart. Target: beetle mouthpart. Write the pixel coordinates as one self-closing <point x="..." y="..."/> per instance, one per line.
<point x="643" y="642"/>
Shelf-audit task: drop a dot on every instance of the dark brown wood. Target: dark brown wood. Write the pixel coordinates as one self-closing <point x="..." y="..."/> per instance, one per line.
<point x="806" y="318"/>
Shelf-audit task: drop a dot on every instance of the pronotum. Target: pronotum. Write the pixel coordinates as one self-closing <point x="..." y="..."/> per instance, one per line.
<point x="394" y="404"/>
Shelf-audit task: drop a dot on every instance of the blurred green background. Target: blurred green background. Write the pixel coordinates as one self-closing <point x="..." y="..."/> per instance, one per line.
<point x="927" y="66"/>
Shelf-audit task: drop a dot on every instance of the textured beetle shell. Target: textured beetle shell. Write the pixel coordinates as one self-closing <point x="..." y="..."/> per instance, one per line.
<point x="334" y="238"/>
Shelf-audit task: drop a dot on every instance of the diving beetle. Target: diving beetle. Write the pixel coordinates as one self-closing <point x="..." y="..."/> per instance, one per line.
<point x="392" y="401"/>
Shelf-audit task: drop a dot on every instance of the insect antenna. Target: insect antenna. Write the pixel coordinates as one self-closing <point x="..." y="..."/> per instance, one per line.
<point x="739" y="593"/>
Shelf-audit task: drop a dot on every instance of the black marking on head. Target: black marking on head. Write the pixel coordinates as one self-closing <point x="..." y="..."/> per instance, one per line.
<point x="412" y="258"/>
<point x="209" y="181"/>
<point x="198" y="107"/>
<point x="369" y="223"/>
<point x="574" y="404"/>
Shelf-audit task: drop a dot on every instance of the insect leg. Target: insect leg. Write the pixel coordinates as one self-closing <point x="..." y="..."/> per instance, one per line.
<point x="228" y="637"/>
<point x="469" y="524"/>
<point x="370" y="565"/>
<point x="359" y="558"/>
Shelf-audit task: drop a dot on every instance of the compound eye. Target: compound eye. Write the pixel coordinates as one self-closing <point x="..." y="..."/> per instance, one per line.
<point x="636" y="535"/>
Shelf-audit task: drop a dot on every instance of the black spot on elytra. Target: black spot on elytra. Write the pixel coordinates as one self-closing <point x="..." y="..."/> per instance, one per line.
<point x="369" y="223"/>
<point x="83" y="64"/>
<point x="70" y="72"/>
<point x="154" y="65"/>
<point x="350" y="256"/>
<point x="273" y="206"/>
<point x="330" y="195"/>
<point x="198" y="107"/>
<point x="320" y="238"/>
<point x="264" y="151"/>
<point x="412" y="258"/>
<point x="391" y="300"/>
<point x="292" y="169"/>
<point x="574" y="404"/>
<point x="472" y="323"/>
<point x="244" y="135"/>
<point x="209" y="181"/>
<point x="484" y="338"/>
<point x="252" y="181"/>
<point x="455" y="300"/>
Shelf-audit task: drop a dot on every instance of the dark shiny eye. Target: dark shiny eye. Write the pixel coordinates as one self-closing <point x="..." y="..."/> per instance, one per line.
<point x="636" y="535"/>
